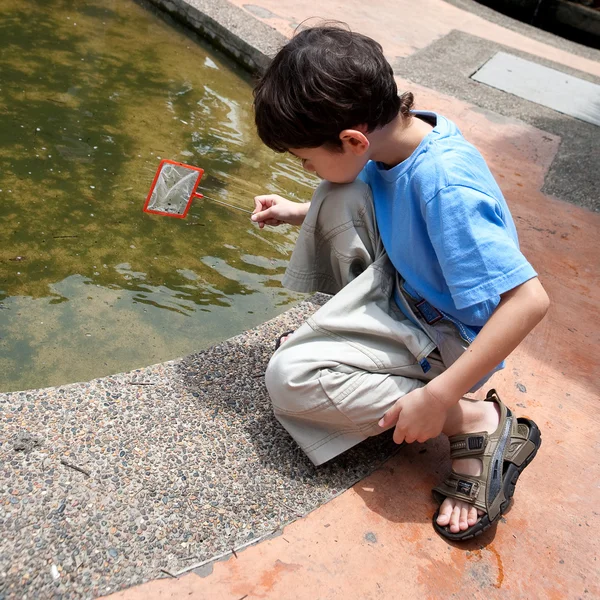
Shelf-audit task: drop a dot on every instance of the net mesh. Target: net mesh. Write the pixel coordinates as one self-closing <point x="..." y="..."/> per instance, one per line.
<point x="173" y="189"/>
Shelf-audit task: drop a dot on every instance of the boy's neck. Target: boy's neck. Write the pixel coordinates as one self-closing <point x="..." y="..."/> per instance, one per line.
<point x="397" y="140"/>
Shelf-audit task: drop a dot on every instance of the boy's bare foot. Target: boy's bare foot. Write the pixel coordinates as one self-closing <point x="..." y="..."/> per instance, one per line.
<point x="456" y="514"/>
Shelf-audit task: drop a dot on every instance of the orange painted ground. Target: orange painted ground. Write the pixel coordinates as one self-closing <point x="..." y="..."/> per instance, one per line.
<point x="376" y="540"/>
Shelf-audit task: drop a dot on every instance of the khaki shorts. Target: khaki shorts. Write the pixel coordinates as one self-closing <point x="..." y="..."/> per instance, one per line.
<point x="339" y="373"/>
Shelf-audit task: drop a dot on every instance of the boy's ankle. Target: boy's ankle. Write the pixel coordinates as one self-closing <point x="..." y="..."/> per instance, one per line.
<point x="472" y="417"/>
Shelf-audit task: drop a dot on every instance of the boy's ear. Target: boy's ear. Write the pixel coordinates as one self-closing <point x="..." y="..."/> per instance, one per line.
<point x="355" y="140"/>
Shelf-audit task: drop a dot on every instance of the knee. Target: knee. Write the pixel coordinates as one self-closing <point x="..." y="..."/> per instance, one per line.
<point x="283" y="379"/>
<point x="277" y="378"/>
<point x="345" y="200"/>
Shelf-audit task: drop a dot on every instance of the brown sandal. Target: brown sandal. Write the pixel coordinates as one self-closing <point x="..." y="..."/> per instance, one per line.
<point x="504" y="455"/>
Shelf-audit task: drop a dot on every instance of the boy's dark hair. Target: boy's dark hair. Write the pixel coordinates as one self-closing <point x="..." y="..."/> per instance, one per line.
<point x="325" y="80"/>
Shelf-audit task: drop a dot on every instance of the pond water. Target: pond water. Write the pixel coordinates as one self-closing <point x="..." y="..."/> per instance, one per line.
<point x="92" y="96"/>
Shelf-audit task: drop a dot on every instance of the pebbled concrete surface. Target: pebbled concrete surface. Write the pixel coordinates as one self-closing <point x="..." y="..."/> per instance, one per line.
<point x="119" y="480"/>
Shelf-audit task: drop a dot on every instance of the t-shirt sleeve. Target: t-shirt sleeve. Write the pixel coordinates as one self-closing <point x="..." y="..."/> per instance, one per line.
<point x="476" y="247"/>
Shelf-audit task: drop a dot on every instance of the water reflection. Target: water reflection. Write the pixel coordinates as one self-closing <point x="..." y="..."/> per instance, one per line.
<point x="93" y="97"/>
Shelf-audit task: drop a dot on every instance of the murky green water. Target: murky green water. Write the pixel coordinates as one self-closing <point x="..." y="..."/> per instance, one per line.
<point x="92" y="95"/>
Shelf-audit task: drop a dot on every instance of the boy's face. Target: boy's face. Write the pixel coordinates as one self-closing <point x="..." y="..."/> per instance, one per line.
<point x="334" y="166"/>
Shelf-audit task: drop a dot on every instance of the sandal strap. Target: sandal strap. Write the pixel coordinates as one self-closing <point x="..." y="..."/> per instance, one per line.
<point x="468" y="488"/>
<point x="520" y="447"/>
<point x="515" y="441"/>
<point x="485" y="490"/>
<point x="468" y="445"/>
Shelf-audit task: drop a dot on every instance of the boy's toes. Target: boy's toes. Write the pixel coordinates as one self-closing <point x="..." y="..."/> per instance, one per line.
<point x="455" y="519"/>
<point x="445" y="512"/>
<point x="472" y="516"/>
<point x="457" y="515"/>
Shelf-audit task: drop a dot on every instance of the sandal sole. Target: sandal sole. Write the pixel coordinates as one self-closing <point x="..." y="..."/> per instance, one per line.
<point x="510" y="483"/>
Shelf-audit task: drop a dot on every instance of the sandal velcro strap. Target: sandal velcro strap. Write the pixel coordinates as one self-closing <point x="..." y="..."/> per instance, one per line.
<point x="472" y="444"/>
<point x="463" y="487"/>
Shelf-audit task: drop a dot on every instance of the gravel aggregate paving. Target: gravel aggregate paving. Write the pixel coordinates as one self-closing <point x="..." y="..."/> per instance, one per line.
<point x="112" y="482"/>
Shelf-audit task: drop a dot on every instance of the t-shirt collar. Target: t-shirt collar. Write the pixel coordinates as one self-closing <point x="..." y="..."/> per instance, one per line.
<point x="400" y="169"/>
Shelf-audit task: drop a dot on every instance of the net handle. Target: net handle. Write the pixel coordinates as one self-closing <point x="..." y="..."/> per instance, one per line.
<point x="197" y="195"/>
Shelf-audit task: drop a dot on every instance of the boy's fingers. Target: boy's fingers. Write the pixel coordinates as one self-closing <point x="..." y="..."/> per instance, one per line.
<point x="268" y="199"/>
<point x="400" y="436"/>
<point x="391" y="417"/>
<point x="263" y="218"/>
<point x="261" y="215"/>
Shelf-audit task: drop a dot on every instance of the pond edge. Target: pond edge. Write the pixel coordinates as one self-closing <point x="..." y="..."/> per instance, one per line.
<point x="250" y="42"/>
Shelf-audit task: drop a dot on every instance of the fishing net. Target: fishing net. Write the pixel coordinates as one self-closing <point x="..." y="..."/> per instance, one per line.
<point x="173" y="189"/>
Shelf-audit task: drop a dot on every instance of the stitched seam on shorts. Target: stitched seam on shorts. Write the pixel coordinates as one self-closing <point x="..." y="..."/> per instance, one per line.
<point x="343" y="257"/>
<point x="321" y="238"/>
<point x="322" y="241"/>
<point x="358" y="221"/>
<point x="316" y="445"/>
<point x="298" y="413"/>
<point x="306" y="275"/>
<point x="326" y="235"/>
<point x="344" y="392"/>
<point x="336" y="336"/>
<point x="387" y="282"/>
<point x="329" y="438"/>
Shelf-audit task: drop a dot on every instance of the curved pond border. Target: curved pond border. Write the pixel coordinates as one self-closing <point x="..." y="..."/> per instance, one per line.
<point x="250" y="43"/>
<point x="247" y="40"/>
<point x="243" y="38"/>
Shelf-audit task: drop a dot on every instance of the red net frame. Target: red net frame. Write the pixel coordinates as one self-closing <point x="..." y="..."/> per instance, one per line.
<point x="193" y="193"/>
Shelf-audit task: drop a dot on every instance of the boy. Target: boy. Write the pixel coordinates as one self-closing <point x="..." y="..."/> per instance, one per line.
<point x="412" y="235"/>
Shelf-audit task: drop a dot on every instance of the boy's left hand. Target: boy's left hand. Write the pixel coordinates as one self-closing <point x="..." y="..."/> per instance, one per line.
<point x="418" y="416"/>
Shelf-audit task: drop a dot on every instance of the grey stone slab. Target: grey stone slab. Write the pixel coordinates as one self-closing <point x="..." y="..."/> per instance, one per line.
<point x="549" y="87"/>
<point x="530" y="31"/>
<point x="447" y="66"/>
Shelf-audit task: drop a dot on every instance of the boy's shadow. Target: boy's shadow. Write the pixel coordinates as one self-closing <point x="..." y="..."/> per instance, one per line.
<point x="400" y="491"/>
<point x="227" y="382"/>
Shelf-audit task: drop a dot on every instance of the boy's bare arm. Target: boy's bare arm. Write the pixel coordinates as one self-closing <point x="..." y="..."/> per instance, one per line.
<point x="421" y="414"/>
<point x="274" y="210"/>
<point x="519" y="311"/>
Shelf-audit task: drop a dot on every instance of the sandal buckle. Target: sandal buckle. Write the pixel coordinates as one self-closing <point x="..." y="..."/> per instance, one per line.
<point x="468" y="488"/>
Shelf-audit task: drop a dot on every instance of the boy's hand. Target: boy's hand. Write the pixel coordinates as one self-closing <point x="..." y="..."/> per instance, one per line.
<point x="275" y="210"/>
<point x="418" y="416"/>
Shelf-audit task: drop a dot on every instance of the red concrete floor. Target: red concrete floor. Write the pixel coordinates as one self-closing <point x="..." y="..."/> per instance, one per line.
<point x="376" y="540"/>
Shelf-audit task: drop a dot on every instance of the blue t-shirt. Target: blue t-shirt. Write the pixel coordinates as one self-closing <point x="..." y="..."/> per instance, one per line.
<point x="446" y="226"/>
